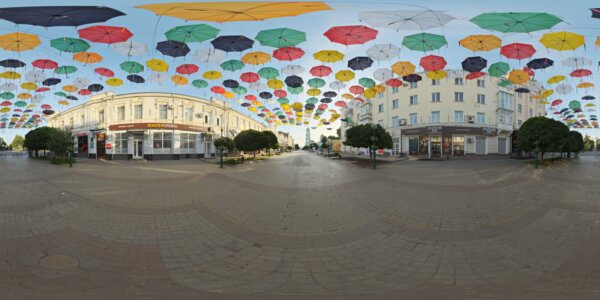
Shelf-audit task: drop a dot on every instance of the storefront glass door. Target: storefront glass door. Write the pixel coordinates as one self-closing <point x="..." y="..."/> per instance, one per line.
<point x="138" y="148"/>
<point x="435" y="146"/>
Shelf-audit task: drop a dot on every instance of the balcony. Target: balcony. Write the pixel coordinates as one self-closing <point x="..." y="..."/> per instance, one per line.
<point x="366" y="116"/>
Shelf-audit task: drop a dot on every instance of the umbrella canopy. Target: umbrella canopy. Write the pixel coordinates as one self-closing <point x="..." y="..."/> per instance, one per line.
<point x="294" y="81"/>
<point x="256" y="58"/>
<point x="249" y="77"/>
<point x="19" y="41"/>
<point x="288" y="53"/>
<point x="209" y="55"/>
<point x="192" y="33"/>
<point x="230" y="83"/>
<point x="212" y="75"/>
<point x="556" y="79"/>
<point x="232" y="43"/>
<point x="187" y="69"/>
<point x="280" y="37"/>
<point x="51" y="81"/>
<point x="580" y="73"/>
<point x="66" y="44"/>
<point x="44" y="64"/>
<point x="157" y="65"/>
<point x="540" y="63"/>
<point x="406" y="19"/>
<point x="199" y="83"/>
<point x="328" y="56"/>
<point x="12" y="63"/>
<point x="129" y="48"/>
<point x="351" y="35"/>
<point x="173" y="48"/>
<point x="516" y="22"/>
<point x="383" y="74"/>
<point x="104" y="72"/>
<point x="517" y="51"/>
<point x="320" y="71"/>
<point x="576" y="61"/>
<point x="432" y="63"/>
<point x="223" y="12"/>
<point x="366" y="82"/>
<point x="87" y="57"/>
<point x="316" y="82"/>
<point x="51" y="16"/>
<point x="337" y="85"/>
<point x="437" y="75"/>
<point x="474" y="64"/>
<point x="105" y="34"/>
<point x="481" y="42"/>
<point x="562" y="41"/>
<point x="518" y="77"/>
<point x="95" y="87"/>
<point x="292" y="70"/>
<point x="344" y="75"/>
<point x="232" y="65"/>
<point x="360" y="63"/>
<point x="268" y="73"/>
<point x="132" y="67"/>
<point x="595" y="12"/>
<point x="381" y="52"/>
<point x="403" y="68"/>
<point x="498" y="69"/>
<point x="424" y="42"/>
<point x="412" y="78"/>
<point x="65" y="70"/>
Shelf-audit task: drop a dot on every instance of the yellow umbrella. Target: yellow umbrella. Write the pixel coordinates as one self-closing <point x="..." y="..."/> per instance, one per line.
<point x="380" y="88"/>
<point x="19" y="41"/>
<point x="87" y="57"/>
<point x="370" y="93"/>
<point x="63" y="102"/>
<point x="69" y="88"/>
<point x="598" y="41"/>
<point x="228" y="94"/>
<point x="179" y="80"/>
<point x="4" y="109"/>
<point x="10" y="75"/>
<point x="157" y="65"/>
<point x="518" y="77"/>
<point x="313" y="92"/>
<point x="212" y="75"/>
<point x="24" y="96"/>
<point x="403" y="68"/>
<point x="544" y="102"/>
<point x="590" y="105"/>
<point x="347" y="96"/>
<point x="114" y="81"/>
<point x="297" y="106"/>
<point x="233" y="11"/>
<point x="275" y="83"/>
<point x="285" y="106"/>
<point x="29" y="86"/>
<point x="437" y="74"/>
<point x="31" y="106"/>
<point x="547" y="93"/>
<point x="562" y="41"/>
<point x="556" y="79"/>
<point x="481" y="42"/>
<point x="328" y="55"/>
<point x="344" y="75"/>
<point x="257" y="103"/>
<point x="585" y="85"/>
<point x="251" y="108"/>
<point x="256" y="58"/>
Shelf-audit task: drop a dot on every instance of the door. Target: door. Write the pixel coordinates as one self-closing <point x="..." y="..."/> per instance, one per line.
<point x="435" y="146"/>
<point x="480" y="145"/>
<point x="138" y="149"/>
<point x="413" y="146"/>
<point x="502" y="145"/>
<point x="100" y="146"/>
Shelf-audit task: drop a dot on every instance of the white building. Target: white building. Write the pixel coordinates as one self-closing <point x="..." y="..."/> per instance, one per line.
<point x="447" y="117"/>
<point x="151" y="125"/>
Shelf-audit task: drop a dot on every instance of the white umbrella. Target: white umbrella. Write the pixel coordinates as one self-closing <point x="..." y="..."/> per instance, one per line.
<point x="383" y="52"/>
<point x="257" y="86"/>
<point x="563" y="89"/>
<point x="209" y="55"/>
<point x="37" y="98"/>
<point x="157" y="77"/>
<point x="35" y="76"/>
<point x="292" y="70"/>
<point x="8" y="87"/>
<point x="383" y="74"/>
<point x="576" y="61"/>
<point x="406" y="19"/>
<point x="452" y="74"/>
<point x="337" y="85"/>
<point x="129" y="48"/>
<point x="81" y="82"/>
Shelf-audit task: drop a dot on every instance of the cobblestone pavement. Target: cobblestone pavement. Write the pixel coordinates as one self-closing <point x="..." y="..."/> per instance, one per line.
<point x="299" y="227"/>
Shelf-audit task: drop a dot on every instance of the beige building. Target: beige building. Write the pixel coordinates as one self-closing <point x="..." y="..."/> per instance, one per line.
<point x="447" y="117"/>
<point x="151" y="125"/>
<point x="285" y="139"/>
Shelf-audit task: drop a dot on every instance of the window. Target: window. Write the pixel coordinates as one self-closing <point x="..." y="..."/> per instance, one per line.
<point x="520" y="108"/>
<point x="480" y="118"/>
<point x="413" y="119"/>
<point x="121" y="113"/>
<point x="413" y="85"/>
<point x="82" y="119"/>
<point x="138" y="111"/>
<point x="395" y="122"/>
<point x="480" y="83"/>
<point x="459" y="116"/>
<point x="188" y="115"/>
<point x="459" y="81"/>
<point x="480" y="99"/>
<point x="218" y="120"/>
<point x="395" y="89"/>
<point x="205" y="119"/>
<point x="380" y="95"/>
<point x="435" y="97"/>
<point x="505" y="117"/>
<point x="101" y="116"/>
<point x="435" y="82"/>
<point x="120" y="143"/>
<point x="435" y="117"/>
<point x="380" y="122"/>
<point x="162" y="111"/>
<point x="413" y="99"/>
<point x="380" y="108"/>
<point x="395" y="103"/>
<point x="459" y="97"/>
<point x="162" y="140"/>
<point x="506" y="100"/>
<point x="187" y="141"/>
<point x="458" y="145"/>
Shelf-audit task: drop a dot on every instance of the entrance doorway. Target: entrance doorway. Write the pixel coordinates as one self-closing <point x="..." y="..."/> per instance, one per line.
<point x="436" y="146"/>
<point x="100" y="146"/>
<point x="502" y="145"/>
<point x="138" y="148"/>
<point x="480" y="145"/>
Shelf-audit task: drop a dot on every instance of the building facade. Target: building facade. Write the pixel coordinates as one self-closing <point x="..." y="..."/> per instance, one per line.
<point x="285" y="139"/>
<point x="447" y="117"/>
<point x="152" y="126"/>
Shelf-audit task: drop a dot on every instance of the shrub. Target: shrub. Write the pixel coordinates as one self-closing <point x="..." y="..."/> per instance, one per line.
<point x="61" y="160"/>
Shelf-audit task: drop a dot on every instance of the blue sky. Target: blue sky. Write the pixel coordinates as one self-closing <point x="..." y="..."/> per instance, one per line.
<point x="148" y="29"/>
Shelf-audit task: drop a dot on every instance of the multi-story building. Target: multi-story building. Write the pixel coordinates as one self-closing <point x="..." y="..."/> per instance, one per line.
<point x="307" y="138"/>
<point x="151" y="125"/>
<point x="447" y="117"/>
<point x="285" y="139"/>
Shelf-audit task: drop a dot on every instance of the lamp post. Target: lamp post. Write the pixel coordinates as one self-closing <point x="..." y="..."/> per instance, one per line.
<point x="374" y="146"/>
<point x="221" y="149"/>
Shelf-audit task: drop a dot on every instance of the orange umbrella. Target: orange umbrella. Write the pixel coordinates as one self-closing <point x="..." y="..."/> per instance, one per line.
<point x="518" y="77"/>
<point x="481" y="42"/>
<point x="19" y="41"/>
<point x="403" y="68"/>
<point x="87" y="57"/>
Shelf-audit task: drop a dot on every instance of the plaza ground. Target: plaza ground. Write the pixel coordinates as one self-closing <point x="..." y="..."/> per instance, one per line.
<point x="299" y="226"/>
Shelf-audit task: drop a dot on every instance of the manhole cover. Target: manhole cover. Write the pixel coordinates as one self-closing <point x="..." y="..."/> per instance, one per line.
<point x="59" y="262"/>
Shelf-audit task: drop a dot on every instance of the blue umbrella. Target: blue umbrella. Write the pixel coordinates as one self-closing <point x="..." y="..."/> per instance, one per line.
<point x="540" y="63"/>
<point x="95" y="87"/>
<point x="230" y="83"/>
<point x="360" y="63"/>
<point x="173" y="48"/>
<point x="232" y="43"/>
<point x="136" y="78"/>
<point x="50" y="16"/>
<point x="12" y="63"/>
<point x="51" y="81"/>
<point x="474" y="64"/>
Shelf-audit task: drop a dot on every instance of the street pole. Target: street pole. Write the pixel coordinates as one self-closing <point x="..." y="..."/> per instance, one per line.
<point x="221" y="148"/>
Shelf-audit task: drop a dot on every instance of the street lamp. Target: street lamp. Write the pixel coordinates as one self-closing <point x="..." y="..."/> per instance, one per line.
<point x="221" y="148"/>
<point x="374" y="146"/>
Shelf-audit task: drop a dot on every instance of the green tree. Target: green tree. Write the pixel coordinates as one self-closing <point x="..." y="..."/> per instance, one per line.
<point x="541" y="135"/>
<point x="588" y="143"/>
<point x="574" y="143"/>
<point x="324" y="142"/>
<point x="365" y="136"/>
<point x="18" y="143"/>
<point x="250" y="140"/>
<point x="61" y="142"/>
<point x="224" y="143"/>
<point x="270" y="140"/>
<point x="2" y="144"/>
<point x="39" y="139"/>
<point x="339" y="132"/>
<point x="297" y="147"/>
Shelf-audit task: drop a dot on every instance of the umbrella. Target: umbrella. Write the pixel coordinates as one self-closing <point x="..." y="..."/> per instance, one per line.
<point x="395" y="82"/>
<point x="436" y="75"/>
<point x="233" y="12"/>
<point x="232" y="43"/>
<point x="584" y="85"/>
<point x="50" y="16"/>
<point x="179" y="80"/>
<point x="85" y="92"/>
<point x="280" y="37"/>
<point x="562" y="41"/>
<point x="65" y="70"/>
<point x="474" y="75"/>
<point x="292" y="70"/>
<point x="12" y="63"/>
<point x="498" y="69"/>
<point x="19" y="41"/>
<point x="595" y="12"/>
<point x="249" y="77"/>
<point x="157" y="65"/>
<point x="104" y="72"/>
<point x="187" y="69"/>
<point x="288" y="53"/>
<point x="366" y="82"/>
<point x="294" y="81"/>
<point x="9" y="87"/>
<point x="209" y="55"/>
<point x="105" y="34"/>
<point x="576" y="62"/>
<point x="424" y="42"/>
<point x="70" y="97"/>
<point x="316" y="82"/>
<point x="556" y="79"/>
<point x="518" y="77"/>
<point x="556" y="102"/>
<point x="10" y="75"/>
<point x="328" y="56"/>
<point x="381" y="52"/>
<point x="474" y="64"/>
<point x="588" y="97"/>
<point x="563" y="89"/>
<point x="517" y="51"/>
<point x="192" y="33"/>
<point x="51" y="81"/>
<point x="44" y="64"/>
<point x="516" y="22"/>
<point x="337" y="85"/>
<point x="129" y="48"/>
<point x="95" y="87"/>
<point x="256" y="58"/>
<point x="87" y="57"/>
<point x="344" y="75"/>
<point x="580" y="73"/>
<point x="7" y="96"/>
<point x="66" y="44"/>
<point x="522" y="90"/>
<point x="212" y="75"/>
<point x="68" y="88"/>
<point x="481" y="42"/>
<point x="240" y="90"/>
<point x="173" y="48"/>
<point x="351" y="35"/>
<point x="199" y="83"/>
<point x="132" y="67"/>
<point x="232" y="65"/>
<point x="268" y="73"/>
<point x="265" y="95"/>
<point x="81" y="82"/>
<point x="320" y="71"/>
<point x="540" y="63"/>
<point x="360" y="63"/>
<point x="432" y="63"/>
<point x="383" y="74"/>
<point x="330" y="94"/>
<point x="230" y="83"/>
<point x="406" y="19"/>
<point x="403" y="68"/>
<point x="217" y="89"/>
<point x="412" y="78"/>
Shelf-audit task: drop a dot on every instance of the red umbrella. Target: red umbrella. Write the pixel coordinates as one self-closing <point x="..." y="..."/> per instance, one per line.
<point x="84" y="92"/>
<point x="351" y="35"/>
<point x="322" y="106"/>
<point x="288" y="53"/>
<point x="46" y="106"/>
<point x="581" y="73"/>
<point x="557" y="102"/>
<point x="357" y="90"/>
<point x="340" y="103"/>
<point x="280" y="93"/>
<point x="432" y="63"/>
<point x="217" y="89"/>
<point x="517" y="51"/>
<point x="104" y="72"/>
<point x="529" y="71"/>
<point x="6" y="103"/>
<point x="474" y="75"/>
<point x="105" y="34"/>
<point x="187" y="69"/>
<point x="44" y="64"/>
<point x="320" y="71"/>
<point x="394" y="82"/>
<point x="250" y="97"/>
<point x="42" y="89"/>
<point x="249" y="77"/>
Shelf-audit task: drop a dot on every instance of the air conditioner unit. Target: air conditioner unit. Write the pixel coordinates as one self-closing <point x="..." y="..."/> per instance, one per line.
<point x="470" y="119"/>
<point x="470" y="140"/>
<point x="402" y="122"/>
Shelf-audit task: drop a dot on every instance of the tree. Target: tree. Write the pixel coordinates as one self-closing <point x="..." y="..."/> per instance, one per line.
<point x="2" y="144"/>
<point x="588" y="143"/>
<point x="574" y="142"/>
<point x="364" y="136"/>
<point x="224" y="143"/>
<point x="39" y="139"/>
<point x="305" y="147"/>
<point x="339" y="132"/>
<point x="541" y="135"/>
<point x="270" y="140"/>
<point x="61" y="142"/>
<point x="250" y="140"/>
<point x="18" y="143"/>
<point x="324" y="142"/>
<point x="297" y="147"/>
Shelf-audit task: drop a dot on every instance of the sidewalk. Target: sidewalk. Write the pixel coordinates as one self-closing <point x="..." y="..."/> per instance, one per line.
<point x="378" y="158"/>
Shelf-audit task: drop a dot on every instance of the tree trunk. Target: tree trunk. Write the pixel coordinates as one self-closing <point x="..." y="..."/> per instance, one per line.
<point x="254" y="153"/>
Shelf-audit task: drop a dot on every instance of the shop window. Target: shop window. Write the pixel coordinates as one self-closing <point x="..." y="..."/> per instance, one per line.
<point x="187" y="140"/>
<point x="162" y="140"/>
<point x="120" y="143"/>
<point x="446" y="145"/>
<point x="458" y="145"/>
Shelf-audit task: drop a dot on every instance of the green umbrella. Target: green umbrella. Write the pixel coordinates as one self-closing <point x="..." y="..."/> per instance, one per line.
<point x="240" y="90"/>
<point x="283" y="100"/>
<point x="295" y="90"/>
<point x="280" y="37"/>
<point x="504" y="83"/>
<point x="312" y="100"/>
<point x="199" y="83"/>
<point x="20" y="103"/>
<point x="233" y="65"/>
<point x="7" y="95"/>
<point x="192" y="33"/>
<point x="132" y="67"/>
<point x="66" y="44"/>
<point x="268" y="73"/>
<point x="516" y="22"/>
<point x="60" y="94"/>
<point x="424" y="42"/>
<point x="574" y="104"/>
<point x="316" y="82"/>
<point x="65" y="70"/>
<point x="498" y="69"/>
<point x="366" y="82"/>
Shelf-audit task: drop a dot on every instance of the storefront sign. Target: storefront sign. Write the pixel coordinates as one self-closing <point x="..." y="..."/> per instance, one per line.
<point x="108" y="146"/>
<point x="434" y="130"/>
<point x="131" y="126"/>
<point x="100" y="137"/>
<point x="450" y="130"/>
<point x="489" y="131"/>
<point x="81" y="133"/>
